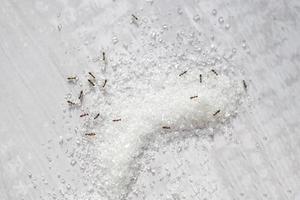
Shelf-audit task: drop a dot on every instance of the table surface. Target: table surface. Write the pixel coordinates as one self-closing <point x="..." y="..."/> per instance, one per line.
<point x="257" y="156"/>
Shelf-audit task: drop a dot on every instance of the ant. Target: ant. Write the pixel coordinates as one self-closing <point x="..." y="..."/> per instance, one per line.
<point x="214" y="71"/>
<point x="216" y="112"/>
<point x="183" y="73"/>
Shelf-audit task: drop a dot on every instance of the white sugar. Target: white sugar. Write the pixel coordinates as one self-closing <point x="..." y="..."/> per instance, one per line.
<point x="182" y="105"/>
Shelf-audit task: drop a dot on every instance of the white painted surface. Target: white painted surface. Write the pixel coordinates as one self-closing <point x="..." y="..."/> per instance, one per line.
<point x="256" y="156"/>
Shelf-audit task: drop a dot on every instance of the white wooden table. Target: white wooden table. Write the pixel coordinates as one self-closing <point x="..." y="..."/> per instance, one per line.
<point x="262" y="158"/>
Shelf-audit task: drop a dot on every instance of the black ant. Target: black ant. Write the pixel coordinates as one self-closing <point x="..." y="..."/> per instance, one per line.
<point x="216" y="112"/>
<point x="183" y="73"/>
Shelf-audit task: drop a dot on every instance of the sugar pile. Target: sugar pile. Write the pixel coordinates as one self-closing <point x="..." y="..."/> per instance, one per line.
<point x="181" y="106"/>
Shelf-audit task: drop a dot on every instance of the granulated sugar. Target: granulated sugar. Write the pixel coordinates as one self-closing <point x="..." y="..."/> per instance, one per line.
<point x="183" y="104"/>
